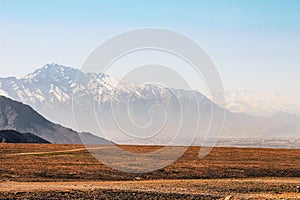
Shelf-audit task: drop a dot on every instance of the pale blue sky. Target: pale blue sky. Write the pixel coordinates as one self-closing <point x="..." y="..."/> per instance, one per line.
<point x="254" y="43"/>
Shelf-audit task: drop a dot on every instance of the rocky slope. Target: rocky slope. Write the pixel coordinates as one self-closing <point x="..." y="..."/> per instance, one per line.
<point x="9" y="136"/>
<point x="22" y="118"/>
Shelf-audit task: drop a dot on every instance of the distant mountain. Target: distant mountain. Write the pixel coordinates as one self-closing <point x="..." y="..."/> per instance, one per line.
<point x="279" y="125"/>
<point x="264" y="103"/>
<point x="10" y="136"/>
<point x="22" y="118"/>
<point x="116" y="108"/>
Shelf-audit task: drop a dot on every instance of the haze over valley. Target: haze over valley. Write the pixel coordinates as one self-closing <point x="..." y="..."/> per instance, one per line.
<point x="87" y="101"/>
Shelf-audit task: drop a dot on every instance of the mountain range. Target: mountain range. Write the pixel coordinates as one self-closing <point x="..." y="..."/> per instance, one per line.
<point x="114" y="109"/>
<point x="263" y="103"/>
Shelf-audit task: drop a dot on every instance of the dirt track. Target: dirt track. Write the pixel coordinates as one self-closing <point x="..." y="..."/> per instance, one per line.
<point x="254" y="188"/>
<point x="52" y="152"/>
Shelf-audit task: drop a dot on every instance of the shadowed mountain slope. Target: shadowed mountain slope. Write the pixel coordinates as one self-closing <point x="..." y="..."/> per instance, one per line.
<point x="22" y="118"/>
<point x="10" y="136"/>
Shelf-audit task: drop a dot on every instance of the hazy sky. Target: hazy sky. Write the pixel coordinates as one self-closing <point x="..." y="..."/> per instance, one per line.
<point x="254" y="43"/>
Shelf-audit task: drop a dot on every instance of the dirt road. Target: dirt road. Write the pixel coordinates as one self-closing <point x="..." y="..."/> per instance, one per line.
<point x="249" y="188"/>
<point x="51" y="152"/>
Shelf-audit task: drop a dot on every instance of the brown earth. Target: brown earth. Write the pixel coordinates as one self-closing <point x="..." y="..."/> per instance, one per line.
<point x="70" y="172"/>
<point x="44" y="162"/>
<point x="246" y="188"/>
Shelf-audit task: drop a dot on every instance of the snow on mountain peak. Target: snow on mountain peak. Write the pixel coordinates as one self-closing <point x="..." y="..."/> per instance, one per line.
<point x="262" y="103"/>
<point x="52" y="70"/>
<point x="54" y="83"/>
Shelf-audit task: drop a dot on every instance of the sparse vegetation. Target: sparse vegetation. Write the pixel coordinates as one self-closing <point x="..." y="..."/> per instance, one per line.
<point x="235" y="171"/>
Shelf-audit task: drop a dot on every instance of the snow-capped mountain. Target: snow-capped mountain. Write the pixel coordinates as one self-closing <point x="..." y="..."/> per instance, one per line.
<point x="264" y="103"/>
<point x="56" y="91"/>
<point x="52" y="83"/>
<point x="50" y="89"/>
<point x="125" y="111"/>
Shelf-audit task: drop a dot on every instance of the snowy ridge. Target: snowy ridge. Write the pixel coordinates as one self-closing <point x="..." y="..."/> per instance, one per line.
<point x="264" y="103"/>
<point x="51" y="89"/>
<point x="54" y="89"/>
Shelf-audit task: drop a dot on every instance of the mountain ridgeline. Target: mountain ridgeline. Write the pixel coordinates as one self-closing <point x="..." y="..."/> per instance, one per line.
<point x="104" y="105"/>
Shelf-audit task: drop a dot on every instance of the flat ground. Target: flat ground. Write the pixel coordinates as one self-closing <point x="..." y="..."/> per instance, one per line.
<point x="35" y="171"/>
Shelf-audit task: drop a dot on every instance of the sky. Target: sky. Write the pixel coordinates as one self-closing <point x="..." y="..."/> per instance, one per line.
<point x="255" y="44"/>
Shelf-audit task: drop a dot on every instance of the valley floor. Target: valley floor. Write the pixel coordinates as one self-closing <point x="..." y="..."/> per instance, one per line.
<point x="35" y="171"/>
